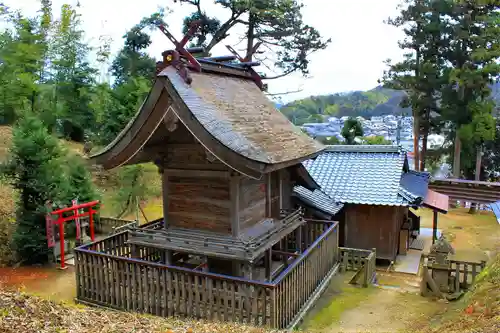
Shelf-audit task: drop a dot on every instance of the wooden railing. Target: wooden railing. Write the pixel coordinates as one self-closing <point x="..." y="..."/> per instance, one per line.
<point x="106" y="275"/>
<point x="109" y="225"/>
<point x="461" y="274"/>
<point x="363" y="262"/>
<point x="301" y="279"/>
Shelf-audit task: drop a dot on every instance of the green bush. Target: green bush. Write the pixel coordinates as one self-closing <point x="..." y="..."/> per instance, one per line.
<point x="41" y="171"/>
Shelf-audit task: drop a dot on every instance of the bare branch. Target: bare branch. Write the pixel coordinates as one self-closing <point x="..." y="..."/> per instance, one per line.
<point x="221" y="34"/>
<point x="285" y="92"/>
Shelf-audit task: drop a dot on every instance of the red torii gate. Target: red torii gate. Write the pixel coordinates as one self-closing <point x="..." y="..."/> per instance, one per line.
<point x="60" y="221"/>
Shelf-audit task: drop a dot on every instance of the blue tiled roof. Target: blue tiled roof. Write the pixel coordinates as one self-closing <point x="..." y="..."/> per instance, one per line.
<point x="414" y="185"/>
<point x="317" y="199"/>
<point x="361" y="174"/>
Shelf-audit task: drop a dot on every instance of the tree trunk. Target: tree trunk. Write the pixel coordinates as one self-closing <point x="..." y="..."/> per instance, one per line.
<point x="477" y="175"/>
<point x="456" y="156"/>
<point x="425" y="136"/>
<point x="423" y="152"/>
<point x="416" y="118"/>
<point x="416" y="140"/>
<point x="250" y="36"/>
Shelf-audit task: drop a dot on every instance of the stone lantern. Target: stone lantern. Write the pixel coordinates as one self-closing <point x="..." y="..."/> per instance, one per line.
<point x="440" y="263"/>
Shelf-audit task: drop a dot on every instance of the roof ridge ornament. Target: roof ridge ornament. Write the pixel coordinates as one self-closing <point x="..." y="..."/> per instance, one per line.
<point x="180" y="46"/>
<point x="255" y="76"/>
<point x="173" y="57"/>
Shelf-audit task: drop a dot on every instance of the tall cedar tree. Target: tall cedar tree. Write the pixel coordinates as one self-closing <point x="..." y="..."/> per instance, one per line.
<point x="421" y="73"/>
<point x="73" y="77"/>
<point x="473" y="52"/>
<point x="35" y="169"/>
<point x="277" y="25"/>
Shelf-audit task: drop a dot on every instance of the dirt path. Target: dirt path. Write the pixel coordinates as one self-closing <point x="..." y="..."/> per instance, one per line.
<point x="344" y="308"/>
<point x="373" y="315"/>
<point x="385" y="311"/>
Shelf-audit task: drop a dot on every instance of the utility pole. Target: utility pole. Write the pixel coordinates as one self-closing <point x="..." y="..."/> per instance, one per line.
<point x="398" y="130"/>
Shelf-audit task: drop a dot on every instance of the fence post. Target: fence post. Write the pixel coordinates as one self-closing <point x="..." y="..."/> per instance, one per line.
<point x="365" y="263"/>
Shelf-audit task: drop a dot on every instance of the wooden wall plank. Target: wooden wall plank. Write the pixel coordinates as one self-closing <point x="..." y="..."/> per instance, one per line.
<point x="201" y="203"/>
<point x="252" y="201"/>
<point x="190" y="156"/>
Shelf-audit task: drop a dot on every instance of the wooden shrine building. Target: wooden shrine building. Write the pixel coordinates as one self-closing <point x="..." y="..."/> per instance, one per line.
<point x="368" y="189"/>
<point x="231" y="245"/>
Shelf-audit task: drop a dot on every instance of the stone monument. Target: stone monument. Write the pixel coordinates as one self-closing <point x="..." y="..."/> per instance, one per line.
<point x="441" y="264"/>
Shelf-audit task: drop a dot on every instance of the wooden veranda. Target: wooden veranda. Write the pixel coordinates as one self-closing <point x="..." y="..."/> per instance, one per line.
<point x="107" y="275"/>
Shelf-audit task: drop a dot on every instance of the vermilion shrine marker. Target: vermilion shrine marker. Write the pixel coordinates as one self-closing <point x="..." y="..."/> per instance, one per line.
<point x="76" y="215"/>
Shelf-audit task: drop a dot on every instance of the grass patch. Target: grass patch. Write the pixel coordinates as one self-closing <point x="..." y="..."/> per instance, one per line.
<point x="338" y="298"/>
<point x="469" y="234"/>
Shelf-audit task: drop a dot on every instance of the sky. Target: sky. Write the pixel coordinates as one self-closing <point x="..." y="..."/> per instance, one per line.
<point x="352" y="61"/>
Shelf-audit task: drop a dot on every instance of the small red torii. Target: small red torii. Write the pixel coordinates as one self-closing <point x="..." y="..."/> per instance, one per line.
<point x="76" y="215"/>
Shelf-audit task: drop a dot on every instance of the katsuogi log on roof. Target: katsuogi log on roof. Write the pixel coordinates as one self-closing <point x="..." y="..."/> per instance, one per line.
<point x="225" y="111"/>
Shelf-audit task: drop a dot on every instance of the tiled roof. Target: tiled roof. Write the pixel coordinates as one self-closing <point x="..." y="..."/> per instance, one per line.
<point x="414" y="185"/>
<point x="361" y="174"/>
<point x="318" y="200"/>
<point x="237" y="114"/>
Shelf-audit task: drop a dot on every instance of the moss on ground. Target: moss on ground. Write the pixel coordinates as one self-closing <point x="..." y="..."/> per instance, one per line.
<point x="338" y="298"/>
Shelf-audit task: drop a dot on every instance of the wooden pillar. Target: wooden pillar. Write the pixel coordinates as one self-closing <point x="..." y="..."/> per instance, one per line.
<point x="434" y="226"/>
<point x="298" y="239"/>
<point x="248" y="271"/>
<point x="237" y="271"/>
<point x="280" y="175"/>
<point x="268" y="195"/>
<point x="268" y="263"/>
<point x="205" y="264"/>
<point x="134" y="251"/>
<point x="235" y="204"/>
<point x="284" y="248"/>
<point x="164" y="188"/>
<point x="164" y="191"/>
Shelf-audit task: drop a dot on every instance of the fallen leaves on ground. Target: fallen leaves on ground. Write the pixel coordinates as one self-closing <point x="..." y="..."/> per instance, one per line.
<point x="20" y="312"/>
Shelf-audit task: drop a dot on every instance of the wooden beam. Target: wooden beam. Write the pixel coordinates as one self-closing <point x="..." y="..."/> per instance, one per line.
<point x="164" y="190"/>
<point x="197" y="173"/>
<point x="434" y="226"/>
<point x="286" y="254"/>
<point x="281" y="175"/>
<point x="234" y="193"/>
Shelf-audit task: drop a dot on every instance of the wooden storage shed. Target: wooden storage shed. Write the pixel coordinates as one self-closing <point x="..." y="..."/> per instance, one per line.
<point x="370" y="188"/>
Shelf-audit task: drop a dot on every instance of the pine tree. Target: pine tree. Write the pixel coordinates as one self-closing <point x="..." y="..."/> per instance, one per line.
<point x="35" y="170"/>
<point x="79" y="180"/>
<point x="277" y="26"/>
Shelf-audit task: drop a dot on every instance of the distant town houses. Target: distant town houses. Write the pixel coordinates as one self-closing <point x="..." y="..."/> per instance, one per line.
<point x="386" y="126"/>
